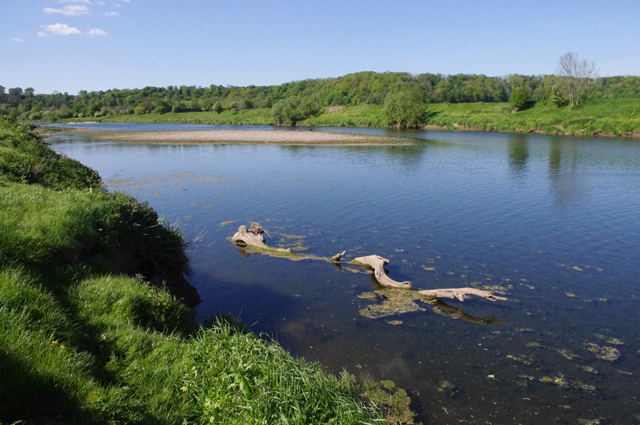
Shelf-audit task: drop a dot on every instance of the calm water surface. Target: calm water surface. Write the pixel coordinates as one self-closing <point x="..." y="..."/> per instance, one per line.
<point x="551" y="222"/>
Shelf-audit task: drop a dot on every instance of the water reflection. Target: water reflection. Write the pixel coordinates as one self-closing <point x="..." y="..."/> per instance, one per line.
<point x="518" y="153"/>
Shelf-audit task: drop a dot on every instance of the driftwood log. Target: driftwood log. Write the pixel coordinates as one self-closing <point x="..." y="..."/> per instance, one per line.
<point x="460" y="293"/>
<point x="254" y="237"/>
<point x="377" y="263"/>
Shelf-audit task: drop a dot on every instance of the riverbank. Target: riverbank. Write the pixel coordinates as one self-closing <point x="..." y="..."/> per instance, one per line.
<point x="598" y="117"/>
<point x="92" y="329"/>
<point x="280" y="137"/>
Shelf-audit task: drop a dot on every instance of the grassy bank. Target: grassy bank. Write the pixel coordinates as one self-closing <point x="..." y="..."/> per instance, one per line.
<point x="91" y="329"/>
<point x="608" y="117"/>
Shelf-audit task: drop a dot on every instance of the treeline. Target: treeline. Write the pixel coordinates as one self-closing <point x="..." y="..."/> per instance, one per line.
<point x="353" y="89"/>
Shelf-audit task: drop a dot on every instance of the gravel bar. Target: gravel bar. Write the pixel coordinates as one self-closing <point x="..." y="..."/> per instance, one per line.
<point x="282" y="137"/>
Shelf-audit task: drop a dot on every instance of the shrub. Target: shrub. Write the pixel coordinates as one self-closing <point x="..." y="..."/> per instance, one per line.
<point x="520" y="98"/>
<point x="404" y="109"/>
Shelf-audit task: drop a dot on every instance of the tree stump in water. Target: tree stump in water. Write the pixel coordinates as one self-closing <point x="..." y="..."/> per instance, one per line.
<point x="254" y="236"/>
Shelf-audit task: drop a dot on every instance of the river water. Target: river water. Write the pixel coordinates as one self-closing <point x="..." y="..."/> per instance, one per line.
<point x="552" y="223"/>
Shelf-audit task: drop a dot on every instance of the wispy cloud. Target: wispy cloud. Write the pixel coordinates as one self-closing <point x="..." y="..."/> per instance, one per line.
<point x="110" y="14"/>
<point x="70" y="10"/>
<point x="17" y="39"/>
<point x="61" y="29"/>
<point x="75" y="1"/>
<point x="95" y="32"/>
<point x="42" y="34"/>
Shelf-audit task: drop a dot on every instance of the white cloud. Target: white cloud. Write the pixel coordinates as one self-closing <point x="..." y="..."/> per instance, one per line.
<point x="61" y="29"/>
<point x="42" y="34"/>
<point x="70" y="10"/>
<point x="17" y="40"/>
<point x="95" y="32"/>
<point x="110" y="14"/>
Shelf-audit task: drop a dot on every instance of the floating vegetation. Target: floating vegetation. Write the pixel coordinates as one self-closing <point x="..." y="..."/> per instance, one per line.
<point x="589" y="369"/>
<point x="609" y="354"/>
<point x="524" y="359"/>
<point x="429" y="268"/>
<point x="224" y="223"/>
<point x="394" y="404"/>
<point x="614" y="341"/>
<point x="580" y="386"/>
<point x="368" y="295"/>
<point x="568" y="354"/>
<point x="589" y="421"/>
<point x="492" y="288"/>
<point x="447" y="388"/>
<point x="290" y="236"/>
<point x="388" y="384"/>
<point x="395" y="322"/>
<point x="392" y="306"/>
<point x="570" y="294"/>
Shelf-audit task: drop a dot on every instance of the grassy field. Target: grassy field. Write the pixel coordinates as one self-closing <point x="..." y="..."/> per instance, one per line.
<point x="610" y="117"/>
<point x="85" y="337"/>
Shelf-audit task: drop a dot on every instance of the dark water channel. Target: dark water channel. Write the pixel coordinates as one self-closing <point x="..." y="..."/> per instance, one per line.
<point x="550" y="222"/>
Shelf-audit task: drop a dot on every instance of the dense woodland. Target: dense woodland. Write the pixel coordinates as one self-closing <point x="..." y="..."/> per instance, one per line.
<point x="353" y="89"/>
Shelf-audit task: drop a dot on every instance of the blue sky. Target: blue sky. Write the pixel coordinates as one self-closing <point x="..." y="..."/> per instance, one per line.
<point x="72" y="45"/>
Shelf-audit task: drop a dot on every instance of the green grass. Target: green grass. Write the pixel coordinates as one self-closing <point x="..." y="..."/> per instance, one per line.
<point x="82" y="340"/>
<point x="616" y="117"/>
<point x="602" y="116"/>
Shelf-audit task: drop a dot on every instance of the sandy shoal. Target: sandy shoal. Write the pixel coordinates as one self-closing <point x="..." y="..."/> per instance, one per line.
<point x="245" y="137"/>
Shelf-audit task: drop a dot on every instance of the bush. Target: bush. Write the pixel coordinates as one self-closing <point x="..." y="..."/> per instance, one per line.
<point x="520" y="98"/>
<point x="404" y="109"/>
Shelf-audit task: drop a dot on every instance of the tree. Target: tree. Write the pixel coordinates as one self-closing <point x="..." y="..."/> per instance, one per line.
<point x="217" y="108"/>
<point x="575" y="76"/>
<point x="404" y="109"/>
<point x="292" y="110"/>
<point x="520" y="98"/>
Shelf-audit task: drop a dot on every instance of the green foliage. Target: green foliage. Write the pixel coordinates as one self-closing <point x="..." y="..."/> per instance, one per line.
<point x="556" y="98"/>
<point x="292" y="110"/>
<point x="404" y="109"/>
<point x="217" y="108"/>
<point x="520" y="98"/>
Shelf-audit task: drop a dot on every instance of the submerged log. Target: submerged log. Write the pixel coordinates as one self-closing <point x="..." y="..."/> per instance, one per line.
<point x="251" y="240"/>
<point x="460" y="293"/>
<point x="377" y="263"/>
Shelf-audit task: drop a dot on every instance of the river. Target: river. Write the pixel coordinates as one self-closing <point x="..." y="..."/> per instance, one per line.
<point x="549" y="222"/>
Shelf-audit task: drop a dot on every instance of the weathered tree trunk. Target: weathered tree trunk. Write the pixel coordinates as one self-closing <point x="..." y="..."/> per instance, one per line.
<point x="377" y="263"/>
<point x="459" y="293"/>
<point x="254" y="237"/>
